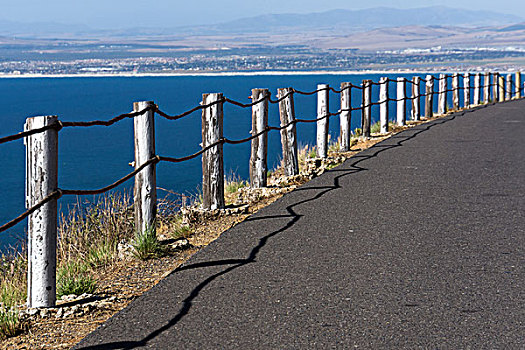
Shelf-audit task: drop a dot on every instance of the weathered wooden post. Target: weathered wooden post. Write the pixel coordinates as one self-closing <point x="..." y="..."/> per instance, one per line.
<point x="508" y="90"/>
<point x="366" y="120"/>
<point x="416" y="115"/>
<point x="455" y="91"/>
<point x="212" y="159"/>
<point x="477" y="89"/>
<point x="383" y="107"/>
<point x="41" y="181"/>
<point x="501" y="92"/>
<point x="288" y="134"/>
<point x="442" y="97"/>
<point x="518" y="84"/>
<point x="258" y="158"/>
<point x="401" y="102"/>
<point x="486" y="87"/>
<point x="495" y="87"/>
<point x="466" y="90"/>
<point x="145" y="190"/>
<point x="429" y="98"/>
<point x="323" y="123"/>
<point x="345" y="116"/>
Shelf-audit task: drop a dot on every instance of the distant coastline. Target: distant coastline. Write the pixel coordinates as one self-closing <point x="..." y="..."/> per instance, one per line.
<point x="222" y="74"/>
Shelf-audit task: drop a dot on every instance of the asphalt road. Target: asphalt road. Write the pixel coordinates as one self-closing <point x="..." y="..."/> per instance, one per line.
<point x="416" y="243"/>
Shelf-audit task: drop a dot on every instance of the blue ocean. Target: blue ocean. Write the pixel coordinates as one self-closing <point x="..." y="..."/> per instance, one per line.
<point x="94" y="157"/>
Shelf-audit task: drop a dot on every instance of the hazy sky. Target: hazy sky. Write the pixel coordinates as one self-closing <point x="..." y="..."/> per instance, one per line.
<point x="151" y="13"/>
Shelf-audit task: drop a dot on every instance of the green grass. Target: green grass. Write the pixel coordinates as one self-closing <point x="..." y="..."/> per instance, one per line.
<point x="146" y="245"/>
<point x="334" y="147"/>
<point x="375" y="128"/>
<point x="234" y="183"/>
<point x="181" y="232"/>
<point x="102" y="254"/>
<point x="13" y="281"/>
<point x="10" y="322"/>
<point x="75" y="278"/>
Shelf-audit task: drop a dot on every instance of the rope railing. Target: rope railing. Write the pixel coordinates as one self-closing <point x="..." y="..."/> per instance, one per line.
<point x="106" y="122"/>
<point x="23" y="134"/>
<point x="59" y="125"/>
<point x="214" y="140"/>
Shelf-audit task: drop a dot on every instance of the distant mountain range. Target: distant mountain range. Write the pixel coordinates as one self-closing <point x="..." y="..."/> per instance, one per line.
<point x="381" y="17"/>
<point x="336" y="21"/>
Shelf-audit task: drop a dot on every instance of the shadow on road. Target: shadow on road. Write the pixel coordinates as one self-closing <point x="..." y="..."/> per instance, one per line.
<point x="351" y="167"/>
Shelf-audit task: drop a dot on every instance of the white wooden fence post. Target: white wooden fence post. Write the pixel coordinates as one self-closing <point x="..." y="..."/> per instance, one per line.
<point x="495" y="87"/>
<point x="455" y="91"/>
<point x="41" y="181"/>
<point x="477" y="89"/>
<point x="345" y="116"/>
<point x="322" y="124"/>
<point x="486" y="87"/>
<point x="466" y="90"/>
<point x="145" y="190"/>
<point x="429" y="98"/>
<point x="416" y="115"/>
<point x="258" y="158"/>
<point x="383" y="107"/>
<point x="508" y="89"/>
<point x="442" y="97"/>
<point x="501" y="90"/>
<point x="401" y="102"/>
<point x="289" y="134"/>
<point x="518" y="84"/>
<point x="366" y="120"/>
<point x="212" y="159"/>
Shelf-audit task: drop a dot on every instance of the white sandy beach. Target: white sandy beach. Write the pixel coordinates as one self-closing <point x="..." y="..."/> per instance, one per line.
<point x="213" y="74"/>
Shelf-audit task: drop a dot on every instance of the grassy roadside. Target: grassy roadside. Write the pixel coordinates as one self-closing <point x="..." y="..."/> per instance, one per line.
<point x="91" y="238"/>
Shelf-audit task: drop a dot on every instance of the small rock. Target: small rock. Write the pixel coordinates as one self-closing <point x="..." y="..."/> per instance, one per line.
<point x="59" y="313"/>
<point x="32" y="311"/>
<point x="75" y="308"/>
<point x="92" y="304"/>
<point x="44" y="313"/>
<point x="86" y="309"/>
<point x="179" y="244"/>
<point x="69" y="297"/>
<point x="125" y="250"/>
<point x="67" y="312"/>
<point x="103" y="304"/>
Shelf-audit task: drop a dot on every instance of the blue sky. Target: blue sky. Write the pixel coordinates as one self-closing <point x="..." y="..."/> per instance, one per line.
<point x="162" y="13"/>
